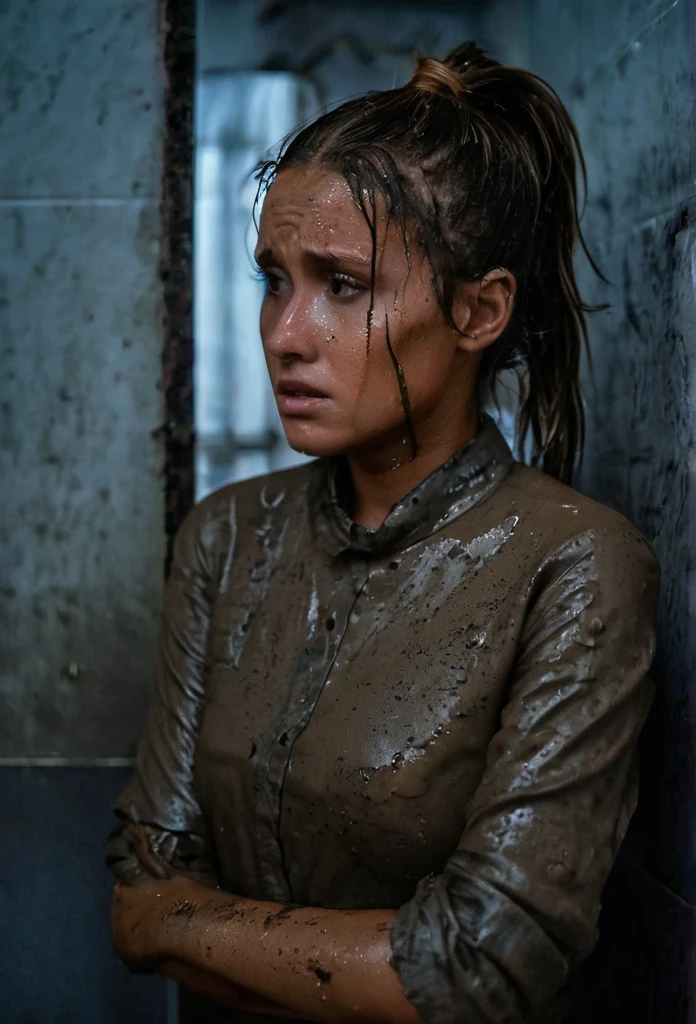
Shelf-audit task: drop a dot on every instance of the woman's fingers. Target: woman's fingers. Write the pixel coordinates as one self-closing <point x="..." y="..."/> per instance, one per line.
<point x="151" y="861"/>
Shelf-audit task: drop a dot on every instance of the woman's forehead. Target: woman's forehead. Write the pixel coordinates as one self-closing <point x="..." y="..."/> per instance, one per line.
<point x="316" y="207"/>
<point x="315" y="196"/>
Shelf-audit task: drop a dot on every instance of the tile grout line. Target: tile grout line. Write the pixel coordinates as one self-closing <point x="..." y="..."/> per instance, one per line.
<point x="68" y="201"/>
<point x="67" y="762"/>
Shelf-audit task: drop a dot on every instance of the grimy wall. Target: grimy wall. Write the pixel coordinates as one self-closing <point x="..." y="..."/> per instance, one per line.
<point x="82" y="533"/>
<point x="82" y="522"/>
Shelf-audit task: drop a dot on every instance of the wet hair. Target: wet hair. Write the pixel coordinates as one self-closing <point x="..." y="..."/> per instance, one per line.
<point x="478" y="164"/>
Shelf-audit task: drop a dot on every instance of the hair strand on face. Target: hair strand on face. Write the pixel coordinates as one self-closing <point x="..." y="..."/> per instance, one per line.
<point x="403" y="390"/>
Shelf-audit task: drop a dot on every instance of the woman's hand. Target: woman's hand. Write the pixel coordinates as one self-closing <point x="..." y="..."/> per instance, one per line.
<point x="139" y="913"/>
<point x="140" y="916"/>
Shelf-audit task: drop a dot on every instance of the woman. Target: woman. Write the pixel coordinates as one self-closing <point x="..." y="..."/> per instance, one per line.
<point x="399" y="688"/>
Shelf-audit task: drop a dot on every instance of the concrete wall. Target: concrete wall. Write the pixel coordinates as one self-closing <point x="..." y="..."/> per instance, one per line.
<point x="625" y="72"/>
<point x="82" y="524"/>
<point x="345" y="49"/>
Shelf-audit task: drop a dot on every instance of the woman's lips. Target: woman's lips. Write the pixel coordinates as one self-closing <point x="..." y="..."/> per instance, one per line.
<point x="295" y="396"/>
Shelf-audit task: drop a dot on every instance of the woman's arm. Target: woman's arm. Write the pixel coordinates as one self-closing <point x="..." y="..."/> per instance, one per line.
<point x="160" y="834"/>
<point x="494" y="936"/>
<point x="160" y="798"/>
<point x="218" y="990"/>
<point x="325" y="965"/>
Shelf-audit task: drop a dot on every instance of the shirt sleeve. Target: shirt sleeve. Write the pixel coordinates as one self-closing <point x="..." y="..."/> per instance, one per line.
<point x="160" y="827"/>
<point x="492" y="938"/>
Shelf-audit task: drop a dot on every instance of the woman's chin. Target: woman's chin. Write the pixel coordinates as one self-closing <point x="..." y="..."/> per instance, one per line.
<point x="315" y="443"/>
<point x="316" y="449"/>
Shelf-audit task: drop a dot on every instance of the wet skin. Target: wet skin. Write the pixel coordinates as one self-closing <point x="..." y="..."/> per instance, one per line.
<point x="336" y="381"/>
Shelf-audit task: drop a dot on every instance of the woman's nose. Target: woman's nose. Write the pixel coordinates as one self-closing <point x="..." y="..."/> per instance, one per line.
<point x="294" y="334"/>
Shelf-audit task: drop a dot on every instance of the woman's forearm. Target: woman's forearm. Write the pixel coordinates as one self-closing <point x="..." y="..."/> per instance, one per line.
<point x="326" y="965"/>
<point x="219" y="990"/>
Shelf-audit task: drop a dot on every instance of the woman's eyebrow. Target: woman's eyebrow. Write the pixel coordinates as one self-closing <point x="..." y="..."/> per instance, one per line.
<point x="319" y="257"/>
<point x="265" y="258"/>
<point x="327" y="258"/>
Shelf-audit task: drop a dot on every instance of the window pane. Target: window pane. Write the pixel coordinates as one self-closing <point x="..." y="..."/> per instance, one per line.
<point x="240" y="117"/>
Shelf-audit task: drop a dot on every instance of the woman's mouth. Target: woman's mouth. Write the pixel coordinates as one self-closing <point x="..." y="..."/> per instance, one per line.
<point x="295" y="396"/>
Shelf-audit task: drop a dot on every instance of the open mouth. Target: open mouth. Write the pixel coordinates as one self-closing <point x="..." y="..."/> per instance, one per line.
<point x="296" y="389"/>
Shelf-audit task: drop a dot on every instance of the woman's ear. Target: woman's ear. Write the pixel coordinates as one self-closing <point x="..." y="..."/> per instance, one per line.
<point x="485" y="308"/>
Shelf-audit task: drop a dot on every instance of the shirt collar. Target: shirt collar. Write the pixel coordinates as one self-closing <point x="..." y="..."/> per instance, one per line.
<point x="465" y="480"/>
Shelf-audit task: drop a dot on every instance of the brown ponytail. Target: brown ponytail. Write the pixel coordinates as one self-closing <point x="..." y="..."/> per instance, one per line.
<point x="498" y="155"/>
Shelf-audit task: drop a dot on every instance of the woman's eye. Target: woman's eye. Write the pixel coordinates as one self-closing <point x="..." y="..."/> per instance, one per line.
<point x="275" y="284"/>
<point x="342" y="285"/>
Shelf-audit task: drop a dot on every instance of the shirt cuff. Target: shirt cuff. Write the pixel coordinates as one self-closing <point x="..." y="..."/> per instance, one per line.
<point x="465" y="951"/>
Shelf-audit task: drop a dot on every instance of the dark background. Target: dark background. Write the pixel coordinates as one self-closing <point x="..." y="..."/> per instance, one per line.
<point x="96" y="446"/>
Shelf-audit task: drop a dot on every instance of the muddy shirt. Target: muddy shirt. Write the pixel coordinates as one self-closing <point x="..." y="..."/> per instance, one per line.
<point x="439" y="715"/>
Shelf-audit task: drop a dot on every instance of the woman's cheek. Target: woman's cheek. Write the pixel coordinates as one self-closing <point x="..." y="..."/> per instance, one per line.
<point x="334" y="322"/>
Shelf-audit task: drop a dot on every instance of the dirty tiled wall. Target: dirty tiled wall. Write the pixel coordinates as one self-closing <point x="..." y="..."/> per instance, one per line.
<point x="82" y="522"/>
<point x="628" y="84"/>
<point x="82" y="507"/>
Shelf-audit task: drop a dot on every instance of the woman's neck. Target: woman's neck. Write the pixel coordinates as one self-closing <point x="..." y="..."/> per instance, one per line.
<point x="377" y="487"/>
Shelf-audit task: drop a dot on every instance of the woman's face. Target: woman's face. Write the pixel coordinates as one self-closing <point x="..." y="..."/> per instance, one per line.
<point x="336" y="394"/>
